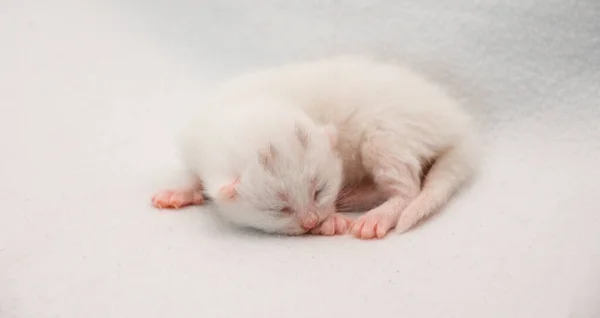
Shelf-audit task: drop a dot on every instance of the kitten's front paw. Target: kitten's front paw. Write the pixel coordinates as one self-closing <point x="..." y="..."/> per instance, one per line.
<point x="336" y="224"/>
<point x="372" y="225"/>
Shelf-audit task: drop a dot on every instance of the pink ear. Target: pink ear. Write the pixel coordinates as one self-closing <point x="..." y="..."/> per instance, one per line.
<point x="229" y="192"/>
<point x="331" y="132"/>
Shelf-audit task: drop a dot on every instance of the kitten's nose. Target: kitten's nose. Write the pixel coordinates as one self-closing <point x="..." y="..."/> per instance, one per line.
<point x="309" y="221"/>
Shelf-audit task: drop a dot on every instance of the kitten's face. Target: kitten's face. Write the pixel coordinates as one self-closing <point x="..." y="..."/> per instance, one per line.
<point x="292" y="186"/>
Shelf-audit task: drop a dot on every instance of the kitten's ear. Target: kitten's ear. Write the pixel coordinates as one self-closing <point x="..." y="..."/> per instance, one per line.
<point x="332" y="133"/>
<point x="229" y="191"/>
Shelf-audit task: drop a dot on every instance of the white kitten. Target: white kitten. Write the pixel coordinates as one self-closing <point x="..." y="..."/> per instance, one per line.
<point x="274" y="148"/>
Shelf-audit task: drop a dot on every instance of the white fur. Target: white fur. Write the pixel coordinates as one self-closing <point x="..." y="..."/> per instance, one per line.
<point x="383" y="115"/>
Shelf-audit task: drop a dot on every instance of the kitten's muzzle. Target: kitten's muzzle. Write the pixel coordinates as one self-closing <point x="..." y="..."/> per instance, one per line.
<point x="308" y="220"/>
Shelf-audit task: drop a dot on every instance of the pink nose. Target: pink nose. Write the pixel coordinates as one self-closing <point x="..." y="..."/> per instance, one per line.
<point x="309" y="221"/>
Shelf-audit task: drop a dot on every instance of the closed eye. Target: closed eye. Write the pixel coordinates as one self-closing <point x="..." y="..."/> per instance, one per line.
<point x="318" y="193"/>
<point x="286" y="210"/>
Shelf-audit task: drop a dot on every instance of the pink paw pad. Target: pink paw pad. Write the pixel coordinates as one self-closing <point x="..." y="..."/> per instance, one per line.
<point x="372" y="225"/>
<point x="333" y="225"/>
<point x="174" y="199"/>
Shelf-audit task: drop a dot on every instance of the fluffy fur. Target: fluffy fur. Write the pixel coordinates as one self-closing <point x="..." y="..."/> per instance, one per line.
<point x="268" y="141"/>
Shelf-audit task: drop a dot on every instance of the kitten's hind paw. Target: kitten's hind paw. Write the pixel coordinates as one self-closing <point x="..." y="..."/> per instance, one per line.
<point x="175" y="199"/>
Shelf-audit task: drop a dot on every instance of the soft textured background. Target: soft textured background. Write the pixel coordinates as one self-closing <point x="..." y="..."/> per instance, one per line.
<point x="91" y="93"/>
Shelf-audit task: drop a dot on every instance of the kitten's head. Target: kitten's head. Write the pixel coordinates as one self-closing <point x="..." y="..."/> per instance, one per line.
<point x="291" y="185"/>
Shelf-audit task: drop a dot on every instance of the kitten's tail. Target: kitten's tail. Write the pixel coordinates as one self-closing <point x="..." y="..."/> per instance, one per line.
<point x="449" y="171"/>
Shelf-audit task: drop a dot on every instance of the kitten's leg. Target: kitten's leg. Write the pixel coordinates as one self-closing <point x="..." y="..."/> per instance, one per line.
<point x="190" y="194"/>
<point x="399" y="179"/>
<point x="353" y="198"/>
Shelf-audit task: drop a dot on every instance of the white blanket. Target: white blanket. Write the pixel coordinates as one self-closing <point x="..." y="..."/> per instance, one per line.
<point x="91" y="95"/>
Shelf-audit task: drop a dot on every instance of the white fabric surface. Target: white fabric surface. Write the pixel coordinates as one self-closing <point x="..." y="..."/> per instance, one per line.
<point x="92" y="92"/>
